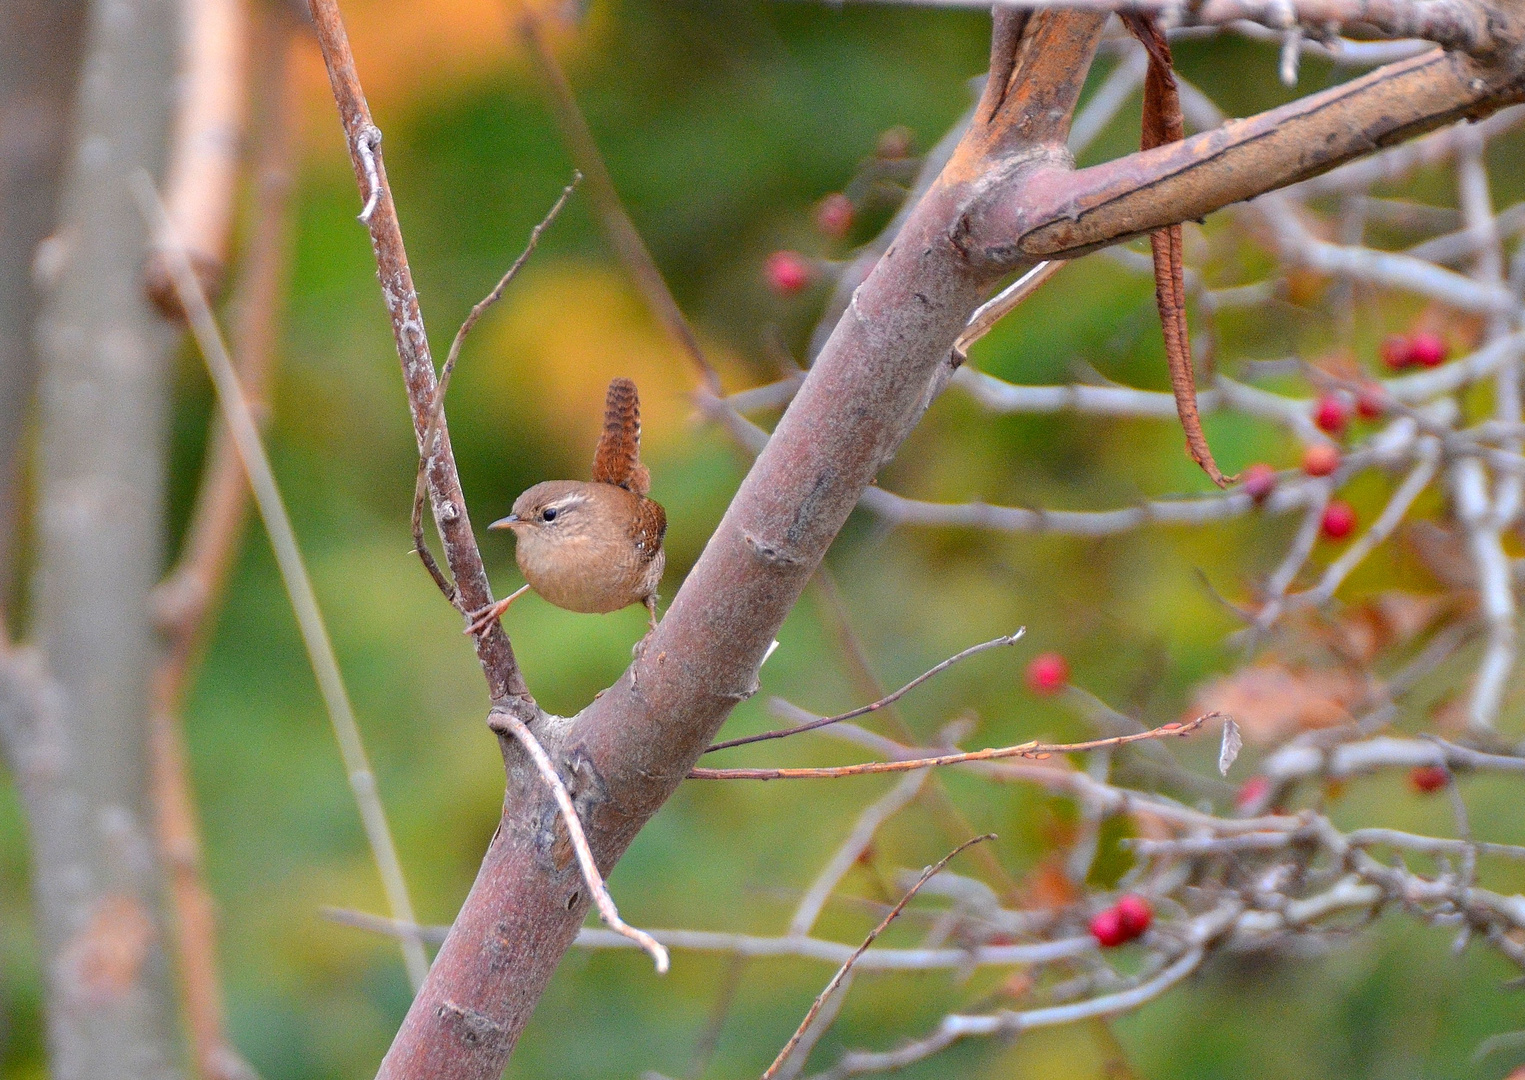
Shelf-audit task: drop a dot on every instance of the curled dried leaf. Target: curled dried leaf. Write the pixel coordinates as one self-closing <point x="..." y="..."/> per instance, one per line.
<point x="1233" y="742"/>
<point x="1163" y="124"/>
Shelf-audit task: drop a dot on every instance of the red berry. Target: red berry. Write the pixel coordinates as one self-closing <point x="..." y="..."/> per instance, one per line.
<point x="1395" y="352"/>
<point x="1427" y="350"/>
<point x="1331" y="414"/>
<point x="1252" y="792"/>
<point x="1259" y="481"/>
<point x="788" y="272"/>
<point x="1371" y="402"/>
<point x="1428" y="779"/>
<point x="1135" y="913"/>
<point x="1047" y="674"/>
<point x="834" y="215"/>
<point x="1321" y="459"/>
<point x="1107" y="928"/>
<point x="1339" y="520"/>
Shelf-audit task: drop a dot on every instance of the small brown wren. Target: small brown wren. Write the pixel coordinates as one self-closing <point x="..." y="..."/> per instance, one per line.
<point x="592" y="547"/>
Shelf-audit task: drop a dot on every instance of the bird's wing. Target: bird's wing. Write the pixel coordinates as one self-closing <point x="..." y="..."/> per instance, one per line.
<point x="648" y="527"/>
<point x="618" y="459"/>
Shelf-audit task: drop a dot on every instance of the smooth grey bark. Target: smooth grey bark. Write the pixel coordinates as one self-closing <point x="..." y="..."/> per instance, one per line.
<point x="81" y="758"/>
<point x="40" y="44"/>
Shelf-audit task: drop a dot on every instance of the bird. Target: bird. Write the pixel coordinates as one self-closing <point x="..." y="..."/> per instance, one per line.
<point x="595" y="546"/>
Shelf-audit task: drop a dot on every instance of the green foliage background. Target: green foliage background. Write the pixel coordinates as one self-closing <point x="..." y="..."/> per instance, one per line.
<point x="723" y="122"/>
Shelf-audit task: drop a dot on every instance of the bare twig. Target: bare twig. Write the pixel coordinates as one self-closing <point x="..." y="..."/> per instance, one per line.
<point x="304" y="602"/>
<point x="852" y="848"/>
<point x="803" y="948"/>
<point x="426" y="445"/>
<point x="956" y="827"/>
<point x="873" y="936"/>
<point x="617" y="225"/>
<point x="875" y="706"/>
<point x="185" y="600"/>
<point x="595" y="882"/>
<point x="1028" y="750"/>
<point x="1456" y="24"/>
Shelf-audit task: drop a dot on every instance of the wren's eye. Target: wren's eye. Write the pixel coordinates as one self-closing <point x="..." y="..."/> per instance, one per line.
<point x="548" y="514"/>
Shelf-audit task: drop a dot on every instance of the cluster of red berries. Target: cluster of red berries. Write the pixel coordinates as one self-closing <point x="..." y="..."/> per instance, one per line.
<point x="789" y="273"/>
<point x="1123" y="921"/>
<point x="1332" y="413"/>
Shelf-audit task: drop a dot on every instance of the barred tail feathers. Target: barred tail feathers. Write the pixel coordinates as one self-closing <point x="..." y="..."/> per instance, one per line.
<point x="618" y="459"/>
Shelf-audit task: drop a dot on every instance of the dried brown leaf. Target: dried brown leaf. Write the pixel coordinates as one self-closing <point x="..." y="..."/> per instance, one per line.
<point x="1272" y="700"/>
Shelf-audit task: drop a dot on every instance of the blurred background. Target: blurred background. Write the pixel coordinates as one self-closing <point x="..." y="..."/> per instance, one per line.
<point x="724" y="123"/>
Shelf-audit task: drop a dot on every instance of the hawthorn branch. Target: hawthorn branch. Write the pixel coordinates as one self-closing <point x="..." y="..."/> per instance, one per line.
<point x="632" y="746"/>
<point x="505" y="682"/>
<point x="1006" y="199"/>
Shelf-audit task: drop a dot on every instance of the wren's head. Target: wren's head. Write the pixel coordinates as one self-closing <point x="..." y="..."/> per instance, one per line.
<point x="548" y="511"/>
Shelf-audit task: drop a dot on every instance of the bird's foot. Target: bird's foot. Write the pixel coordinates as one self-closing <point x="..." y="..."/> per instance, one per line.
<point x="482" y="618"/>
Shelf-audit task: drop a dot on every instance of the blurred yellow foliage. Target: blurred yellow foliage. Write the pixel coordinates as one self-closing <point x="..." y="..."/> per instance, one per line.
<point x="570" y="328"/>
<point x="406" y="49"/>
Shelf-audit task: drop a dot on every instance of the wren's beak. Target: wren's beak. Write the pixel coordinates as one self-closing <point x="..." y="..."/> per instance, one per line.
<point x="507" y="523"/>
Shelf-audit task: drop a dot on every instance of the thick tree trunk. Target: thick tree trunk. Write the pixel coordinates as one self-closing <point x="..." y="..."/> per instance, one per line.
<point x="39" y="63"/>
<point x="81" y="755"/>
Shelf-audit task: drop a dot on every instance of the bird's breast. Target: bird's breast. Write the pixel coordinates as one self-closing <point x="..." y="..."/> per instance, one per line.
<point x="587" y="573"/>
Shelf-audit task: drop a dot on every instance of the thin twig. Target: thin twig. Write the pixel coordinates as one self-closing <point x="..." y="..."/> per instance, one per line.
<point x="1026" y="750"/>
<point x="852" y="848"/>
<point x="873" y="935"/>
<point x="288" y="557"/>
<point x="955" y="825"/>
<point x="888" y="699"/>
<point x="617" y="225"/>
<point x="437" y="404"/>
<point x="185" y="600"/>
<point x="495" y="653"/>
<point x="595" y="882"/>
<point x="803" y="948"/>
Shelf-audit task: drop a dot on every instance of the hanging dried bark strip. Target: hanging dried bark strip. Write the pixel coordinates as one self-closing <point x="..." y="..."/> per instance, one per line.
<point x="1163" y="124"/>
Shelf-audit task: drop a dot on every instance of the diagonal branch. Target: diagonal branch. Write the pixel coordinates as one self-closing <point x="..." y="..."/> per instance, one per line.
<point x="1034" y="750"/>
<point x="873" y="935"/>
<point x="185" y="601"/>
<point x="616" y="222"/>
<point x="1063" y="214"/>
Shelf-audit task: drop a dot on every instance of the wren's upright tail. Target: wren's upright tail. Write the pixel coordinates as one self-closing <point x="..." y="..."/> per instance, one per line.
<point x="618" y="459"/>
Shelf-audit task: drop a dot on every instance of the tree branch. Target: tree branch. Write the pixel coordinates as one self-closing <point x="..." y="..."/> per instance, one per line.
<point x="505" y="682"/>
<point x="1006" y="199"/>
